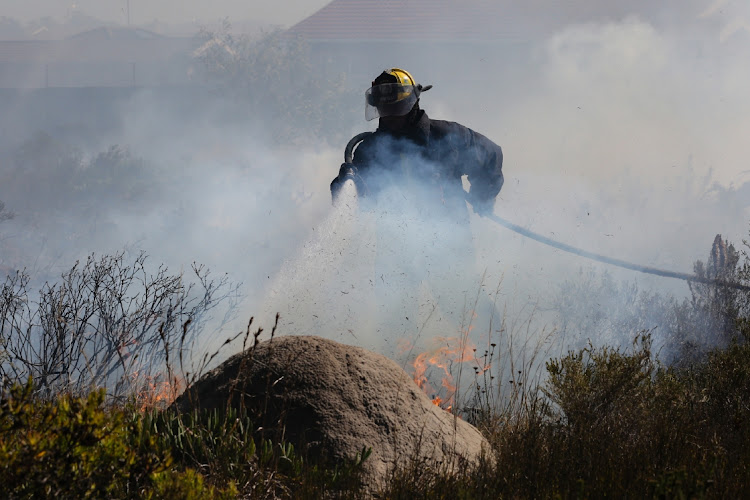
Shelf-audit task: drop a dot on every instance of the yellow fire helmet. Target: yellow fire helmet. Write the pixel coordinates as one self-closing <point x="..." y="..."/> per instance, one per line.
<point x="393" y="93"/>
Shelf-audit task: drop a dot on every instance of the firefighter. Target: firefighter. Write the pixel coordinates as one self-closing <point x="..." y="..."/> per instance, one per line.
<point x="409" y="173"/>
<point x="410" y="150"/>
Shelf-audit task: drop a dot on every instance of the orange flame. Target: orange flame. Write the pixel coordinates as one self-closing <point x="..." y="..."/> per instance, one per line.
<point x="160" y="393"/>
<point x="456" y="350"/>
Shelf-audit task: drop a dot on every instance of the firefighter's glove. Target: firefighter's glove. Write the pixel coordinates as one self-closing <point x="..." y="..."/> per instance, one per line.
<point x="483" y="208"/>
<point x="348" y="171"/>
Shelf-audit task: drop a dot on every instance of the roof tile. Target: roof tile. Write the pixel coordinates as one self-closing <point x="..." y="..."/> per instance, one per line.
<point x="410" y="20"/>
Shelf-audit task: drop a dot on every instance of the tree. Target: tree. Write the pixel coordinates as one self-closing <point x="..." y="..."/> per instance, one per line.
<point x="107" y="323"/>
<point x="274" y="81"/>
<point x="5" y="214"/>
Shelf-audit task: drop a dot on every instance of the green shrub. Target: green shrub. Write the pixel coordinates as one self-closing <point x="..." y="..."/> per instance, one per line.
<point x="592" y="386"/>
<point x="621" y="424"/>
<point x="188" y="485"/>
<point x="76" y="448"/>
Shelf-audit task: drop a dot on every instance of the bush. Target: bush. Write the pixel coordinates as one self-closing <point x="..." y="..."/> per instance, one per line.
<point x="598" y="309"/>
<point x="74" y="448"/>
<point x="5" y="214"/>
<point x="54" y="175"/>
<point x="109" y="324"/>
<point x="613" y="423"/>
<point x="273" y="80"/>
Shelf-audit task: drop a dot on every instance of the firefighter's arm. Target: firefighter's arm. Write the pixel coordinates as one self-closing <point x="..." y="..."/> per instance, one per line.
<point x="483" y="161"/>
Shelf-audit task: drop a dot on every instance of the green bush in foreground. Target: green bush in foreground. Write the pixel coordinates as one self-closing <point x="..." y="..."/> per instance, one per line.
<point x="75" y="448"/>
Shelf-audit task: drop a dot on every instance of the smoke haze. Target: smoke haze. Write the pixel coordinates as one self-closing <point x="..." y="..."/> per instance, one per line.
<point x="626" y="136"/>
<point x="171" y="11"/>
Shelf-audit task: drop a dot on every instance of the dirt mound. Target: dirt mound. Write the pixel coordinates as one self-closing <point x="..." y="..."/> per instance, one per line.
<point x="335" y="399"/>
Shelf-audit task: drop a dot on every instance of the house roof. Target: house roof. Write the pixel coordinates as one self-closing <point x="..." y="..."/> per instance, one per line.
<point x="410" y="20"/>
<point x="483" y="20"/>
<point x="115" y="33"/>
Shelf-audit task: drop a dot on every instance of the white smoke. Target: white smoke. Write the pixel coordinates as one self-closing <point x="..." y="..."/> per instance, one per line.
<point x="620" y="137"/>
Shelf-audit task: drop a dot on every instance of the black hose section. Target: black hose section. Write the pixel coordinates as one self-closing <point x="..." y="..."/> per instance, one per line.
<point x="349" y="157"/>
<point x="609" y="260"/>
<point x="349" y="150"/>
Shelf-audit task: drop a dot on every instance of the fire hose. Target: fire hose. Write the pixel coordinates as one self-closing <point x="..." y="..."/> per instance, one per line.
<point x="349" y="156"/>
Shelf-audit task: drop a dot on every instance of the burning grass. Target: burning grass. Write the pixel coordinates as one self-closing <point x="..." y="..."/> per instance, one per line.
<point x="449" y="353"/>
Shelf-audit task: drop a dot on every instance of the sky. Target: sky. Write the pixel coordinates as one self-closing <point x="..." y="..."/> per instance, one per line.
<point x="285" y="12"/>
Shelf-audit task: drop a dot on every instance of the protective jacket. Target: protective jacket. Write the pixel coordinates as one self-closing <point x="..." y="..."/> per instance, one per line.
<point x="431" y="156"/>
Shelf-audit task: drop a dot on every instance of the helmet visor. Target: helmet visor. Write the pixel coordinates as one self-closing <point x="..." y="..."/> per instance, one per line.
<point x="389" y="99"/>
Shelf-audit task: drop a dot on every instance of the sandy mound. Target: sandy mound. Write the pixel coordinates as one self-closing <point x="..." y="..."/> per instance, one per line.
<point x="335" y="399"/>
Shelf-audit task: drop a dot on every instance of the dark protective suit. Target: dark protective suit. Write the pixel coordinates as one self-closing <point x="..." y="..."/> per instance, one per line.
<point x="433" y="154"/>
<point x="410" y="186"/>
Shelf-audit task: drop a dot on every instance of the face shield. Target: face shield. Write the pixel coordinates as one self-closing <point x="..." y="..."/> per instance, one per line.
<point x="389" y="99"/>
